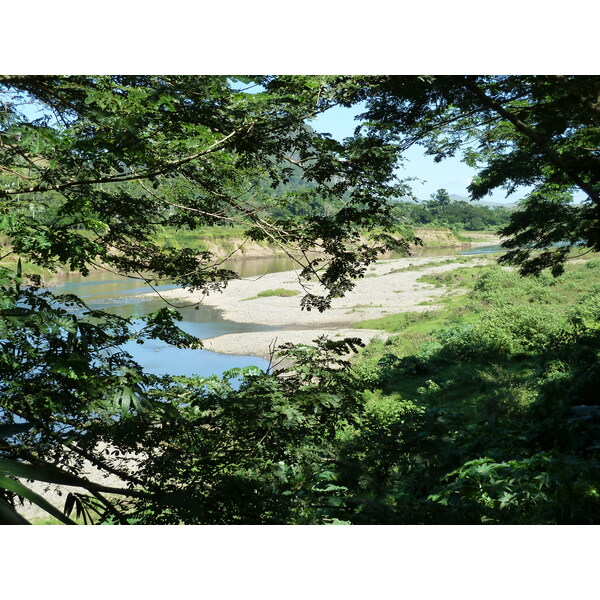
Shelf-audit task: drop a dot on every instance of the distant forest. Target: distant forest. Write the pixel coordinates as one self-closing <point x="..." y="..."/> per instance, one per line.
<point x="441" y="210"/>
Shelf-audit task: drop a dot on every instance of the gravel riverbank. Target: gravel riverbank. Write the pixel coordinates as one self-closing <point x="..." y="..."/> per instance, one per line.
<point x="390" y="286"/>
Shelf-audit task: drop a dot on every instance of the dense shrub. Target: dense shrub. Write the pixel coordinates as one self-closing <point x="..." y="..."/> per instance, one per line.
<point x="501" y="287"/>
<point x="587" y="310"/>
<point x="505" y="330"/>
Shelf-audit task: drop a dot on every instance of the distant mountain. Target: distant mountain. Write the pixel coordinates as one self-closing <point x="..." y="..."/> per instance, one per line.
<point x="457" y="198"/>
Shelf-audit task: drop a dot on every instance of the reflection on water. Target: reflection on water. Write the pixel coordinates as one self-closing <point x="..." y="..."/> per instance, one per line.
<point x="254" y="267"/>
<point x="484" y="250"/>
<point x="127" y="298"/>
<point x="458" y="251"/>
<point x="124" y="296"/>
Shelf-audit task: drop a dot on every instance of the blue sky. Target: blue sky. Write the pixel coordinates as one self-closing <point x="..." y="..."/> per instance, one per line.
<point x="450" y="174"/>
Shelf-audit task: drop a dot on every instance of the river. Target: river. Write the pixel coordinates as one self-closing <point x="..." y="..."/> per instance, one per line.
<point x="124" y="296"/>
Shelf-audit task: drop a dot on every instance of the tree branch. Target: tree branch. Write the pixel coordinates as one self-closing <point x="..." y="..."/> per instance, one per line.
<point x="169" y="166"/>
<point x="539" y="141"/>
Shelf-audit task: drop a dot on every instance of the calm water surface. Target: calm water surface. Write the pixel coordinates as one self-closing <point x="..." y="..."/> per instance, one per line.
<point x="122" y="296"/>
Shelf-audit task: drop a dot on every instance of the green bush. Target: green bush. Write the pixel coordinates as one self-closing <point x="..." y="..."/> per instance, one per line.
<point x="494" y="279"/>
<point x="503" y="288"/>
<point x="588" y="308"/>
<point x="503" y="331"/>
<point x="542" y="488"/>
<point x="532" y="327"/>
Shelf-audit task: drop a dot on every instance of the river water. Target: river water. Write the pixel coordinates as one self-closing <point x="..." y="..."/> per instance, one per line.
<point x="123" y="296"/>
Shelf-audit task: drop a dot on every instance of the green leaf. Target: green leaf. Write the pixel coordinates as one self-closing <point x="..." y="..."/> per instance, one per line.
<point x="8" y="430"/>
<point x="46" y="473"/>
<point x="9" y="516"/>
<point x="18" y="488"/>
<point x="69" y="504"/>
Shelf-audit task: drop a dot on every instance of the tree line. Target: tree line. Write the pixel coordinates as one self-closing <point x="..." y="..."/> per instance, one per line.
<point x="442" y="211"/>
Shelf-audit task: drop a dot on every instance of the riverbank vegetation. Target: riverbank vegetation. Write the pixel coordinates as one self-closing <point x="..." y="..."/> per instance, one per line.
<point x="486" y="411"/>
<point x="233" y="243"/>
<point x="492" y="392"/>
<point x="475" y="413"/>
<point x="457" y="215"/>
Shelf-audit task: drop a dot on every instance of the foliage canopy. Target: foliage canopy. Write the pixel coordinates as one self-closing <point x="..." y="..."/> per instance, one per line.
<point x="92" y="167"/>
<point x="541" y="132"/>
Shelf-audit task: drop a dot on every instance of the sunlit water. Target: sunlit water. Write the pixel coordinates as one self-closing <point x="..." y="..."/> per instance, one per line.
<point x="482" y="250"/>
<point x="125" y="297"/>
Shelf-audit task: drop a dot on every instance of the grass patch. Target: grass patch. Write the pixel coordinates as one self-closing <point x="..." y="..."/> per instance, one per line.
<point x="419" y="323"/>
<point x="30" y="269"/>
<point x="281" y="292"/>
<point x="434" y="263"/>
<point x="394" y="323"/>
<point x="519" y="315"/>
<point x="457" y="278"/>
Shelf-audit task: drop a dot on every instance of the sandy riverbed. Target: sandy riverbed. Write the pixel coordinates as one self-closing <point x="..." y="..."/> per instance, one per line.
<point x="389" y="287"/>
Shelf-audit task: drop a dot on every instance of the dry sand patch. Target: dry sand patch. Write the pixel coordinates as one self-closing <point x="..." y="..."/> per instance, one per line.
<point x="387" y="288"/>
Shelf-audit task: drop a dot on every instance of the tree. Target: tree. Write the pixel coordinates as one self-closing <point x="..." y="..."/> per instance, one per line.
<point x="112" y="158"/>
<point x="440" y="199"/>
<point x="106" y="161"/>
<point x="537" y="131"/>
<point x="92" y="166"/>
